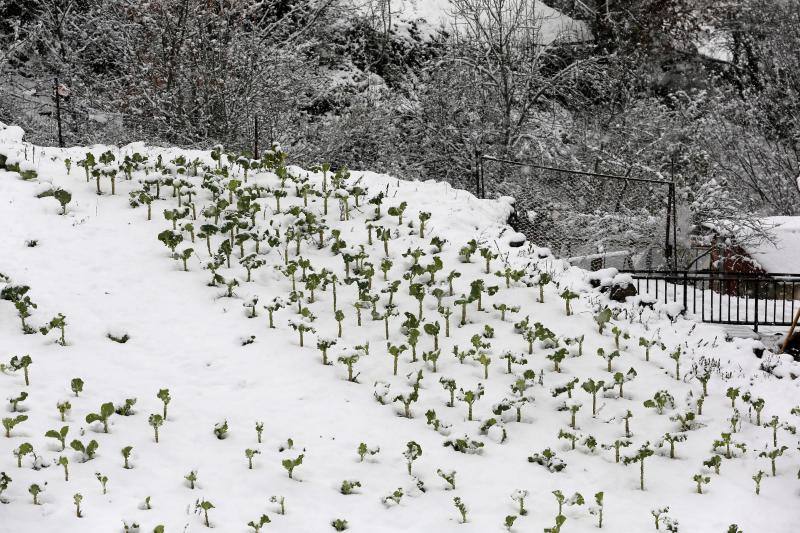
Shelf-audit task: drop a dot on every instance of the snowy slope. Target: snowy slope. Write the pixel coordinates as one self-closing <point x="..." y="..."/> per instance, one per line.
<point x="552" y="23"/>
<point x="102" y="266"/>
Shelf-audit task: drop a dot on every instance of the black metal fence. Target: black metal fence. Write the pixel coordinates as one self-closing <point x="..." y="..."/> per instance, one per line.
<point x="726" y="298"/>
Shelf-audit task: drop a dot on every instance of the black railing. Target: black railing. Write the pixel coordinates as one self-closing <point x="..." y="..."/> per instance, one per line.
<point x="726" y="298"/>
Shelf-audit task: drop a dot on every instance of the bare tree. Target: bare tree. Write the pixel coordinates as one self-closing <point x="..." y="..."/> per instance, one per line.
<point x="502" y="44"/>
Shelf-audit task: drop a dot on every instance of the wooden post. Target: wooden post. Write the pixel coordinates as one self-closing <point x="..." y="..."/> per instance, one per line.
<point x="791" y="331"/>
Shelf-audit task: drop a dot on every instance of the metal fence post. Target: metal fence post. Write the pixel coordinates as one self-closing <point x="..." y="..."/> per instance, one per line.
<point x="667" y="246"/>
<point x="478" y="165"/>
<point x="58" y="113"/>
<point x="685" y="291"/>
<point x="757" y="296"/>
<point x="255" y="137"/>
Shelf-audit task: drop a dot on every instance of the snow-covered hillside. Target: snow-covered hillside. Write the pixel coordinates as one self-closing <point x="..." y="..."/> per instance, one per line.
<point x="552" y="24"/>
<point x="525" y="369"/>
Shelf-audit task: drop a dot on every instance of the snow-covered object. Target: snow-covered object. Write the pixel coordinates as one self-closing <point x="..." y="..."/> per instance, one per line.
<point x="551" y="23"/>
<point x="784" y="254"/>
<point x="11" y="134"/>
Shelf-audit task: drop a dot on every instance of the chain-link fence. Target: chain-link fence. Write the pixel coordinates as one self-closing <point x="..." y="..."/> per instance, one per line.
<point x="594" y="219"/>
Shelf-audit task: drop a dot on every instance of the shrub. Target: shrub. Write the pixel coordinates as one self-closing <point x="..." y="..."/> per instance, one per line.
<point x="17" y="363"/>
<point x="16" y="400"/>
<point x="616" y="445"/>
<point x="291" y="464"/>
<point x="221" y="430"/>
<point x="462" y="509"/>
<point x="568" y="387"/>
<point x="63" y="461"/>
<point x="63" y="407"/>
<point x="609" y="357"/>
<point x="10" y="423"/>
<point x="363" y="450"/>
<point x="618" y="333"/>
<point x="394" y="498"/>
<point x="700" y="480"/>
<point x="281" y="501"/>
<point x="660" y="401"/>
<point x="671" y="439"/>
<point x="412" y="452"/>
<point x="567" y="295"/>
<point x="349" y="358"/>
<point x="557" y="357"/>
<point x="593" y="387"/>
<point x="571" y="437"/>
<point x="250" y="453"/>
<point x="598" y="509"/>
<point x="88" y="451"/>
<point x="5" y="481"/>
<point x="772" y="455"/>
<point x="76" y="385"/>
<point x="102" y="479"/>
<point x="627" y="418"/>
<point x="449" y="477"/>
<point x="549" y="460"/>
<point x="757" y="478"/>
<point x="432" y="357"/>
<point x="488" y="255"/>
<point x="60" y="436"/>
<point x="643" y="453"/>
<point x="348" y="486"/>
<point x="156" y="421"/>
<point x="575" y="499"/>
<point x="464" y="445"/>
<point x="602" y="319"/>
<point x="126" y="455"/>
<point x="57" y="322"/>
<point x="726" y="441"/>
<point x="714" y="462"/>
<point x="676" y="356"/>
<point x="466" y="252"/>
<point x="163" y="395"/>
<point x="77" y="498"/>
<point x="470" y="397"/>
<point x="340" y="524"/>
<point x="620" y="379"/>
<point x="732" y="393"/>
<point x="395" y="351"/>
<point x="542" y="279"/>
<point x="35" y="490"/>
<point x="106" y="410"/>
<point x="648" y="344"/>
<point x="22" y="450"/>
<point x="258" y="524"/>
<point x="205" y="506"/>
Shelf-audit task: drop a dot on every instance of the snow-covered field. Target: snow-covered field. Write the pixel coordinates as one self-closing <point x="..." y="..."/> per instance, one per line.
<point x="102" y="266"/>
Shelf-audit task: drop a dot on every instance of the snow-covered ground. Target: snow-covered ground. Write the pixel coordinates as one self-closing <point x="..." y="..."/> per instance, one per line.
<point x="102" y="266"/>
<point x="440" y="13"/>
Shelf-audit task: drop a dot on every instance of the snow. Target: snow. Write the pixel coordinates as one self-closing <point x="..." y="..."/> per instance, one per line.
<point x="782" y="255"/>
<point x="102" y="266"/>
<point x="553" y="24"/>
